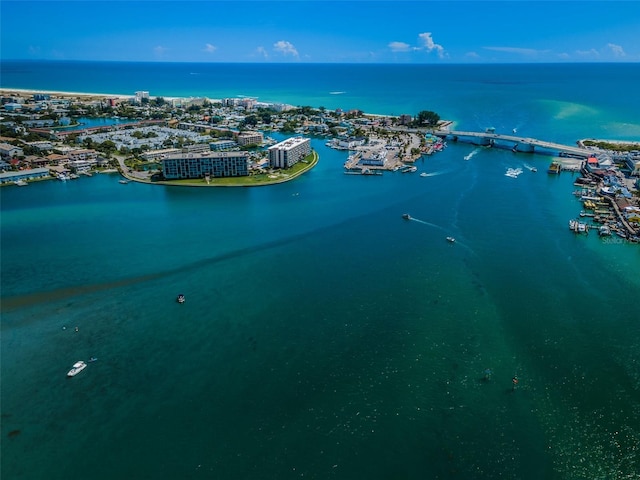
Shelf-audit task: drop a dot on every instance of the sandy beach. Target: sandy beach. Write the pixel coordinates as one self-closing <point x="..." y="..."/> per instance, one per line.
<point x="85" y="95"/>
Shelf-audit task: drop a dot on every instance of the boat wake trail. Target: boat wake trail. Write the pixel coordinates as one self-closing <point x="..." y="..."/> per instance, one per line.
<point x="457" y="242"/>
<point x="430" y="224"/>
<point x="435" y="174"/>
<point x="472" y="154"/>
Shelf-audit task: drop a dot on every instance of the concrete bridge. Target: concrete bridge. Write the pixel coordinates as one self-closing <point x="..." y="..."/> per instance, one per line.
<point x="517" y="144"/>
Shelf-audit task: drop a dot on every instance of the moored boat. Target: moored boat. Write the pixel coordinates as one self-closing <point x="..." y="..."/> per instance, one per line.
<point x="77" y="368"/>
<point x="180" y="298"/>
<point x="604" y="231"/>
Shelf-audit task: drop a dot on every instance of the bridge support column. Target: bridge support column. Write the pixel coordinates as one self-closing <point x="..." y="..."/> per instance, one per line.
<point x="523" y="147"/>
<point x="484" y="141"/>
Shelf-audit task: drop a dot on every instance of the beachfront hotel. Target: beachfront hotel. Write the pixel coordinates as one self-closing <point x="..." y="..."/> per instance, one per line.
<point x="199" y="165"/>
<point x="289" y="152"/>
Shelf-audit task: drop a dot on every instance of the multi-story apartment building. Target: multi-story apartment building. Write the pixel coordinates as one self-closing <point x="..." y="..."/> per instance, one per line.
<point x="249" y="138"/>
<point x="199" y="165"/>
<point x="289" y="152"/>
<point x="84" y="154"/>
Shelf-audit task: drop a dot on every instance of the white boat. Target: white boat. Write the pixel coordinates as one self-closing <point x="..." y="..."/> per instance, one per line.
<point x="604" y="231"/>
<point x="20" y="183"/>
<point x="62" y="177"/>
<point x="423" y="174"/>
<point x="180" y="298"/>
<point x="451" y="239"/>
<point x="124" y="182"/>
<point x="406" y="216"/>
<point x="77" y="368"/>
<point x="513" y="172"/>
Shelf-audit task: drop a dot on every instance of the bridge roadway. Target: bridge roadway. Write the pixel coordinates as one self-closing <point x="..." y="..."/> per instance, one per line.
<point x="517" y="141"/>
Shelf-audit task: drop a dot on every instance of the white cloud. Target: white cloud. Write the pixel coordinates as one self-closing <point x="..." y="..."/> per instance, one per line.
<point x="564" y="56"/>
<point x="617" y="50"/>
<point x="159" y="50"/>
<point x="588" y="53"/>
<point x="399" y="47"/>
<point x="34" y="50"/>
<point x="430" y="45"/>
<point x="472" y="55"/>
<point x="516" y="50"/>
<point x="261" y="51"/>
<point x="210" y="48"/>
<point x="286" y="48"/>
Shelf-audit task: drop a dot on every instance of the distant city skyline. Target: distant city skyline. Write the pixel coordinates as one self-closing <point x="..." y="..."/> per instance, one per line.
<point x="322" y="31"/>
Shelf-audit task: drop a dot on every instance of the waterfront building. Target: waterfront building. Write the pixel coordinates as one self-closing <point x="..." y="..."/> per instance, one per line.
<point x="351" y="143"/>
<point x="82" y="165"/>
<point x="222" y="145"/>
<point x="140" y="95"/>
<point x="158" y="154"/>
<point x="289" y="152"/>
<point x="11" y="177"/>
<point x="373" y="158"/>
<point x="83" y="155"/>
<point x="199" y="165"/>
<point x="249" y="138"/>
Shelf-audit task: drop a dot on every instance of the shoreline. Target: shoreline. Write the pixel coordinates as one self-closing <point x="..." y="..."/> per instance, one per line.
<point x="64" y="94"/>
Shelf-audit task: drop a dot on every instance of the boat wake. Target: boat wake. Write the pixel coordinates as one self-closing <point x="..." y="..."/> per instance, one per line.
<point x="457" y="242"/>
<point x="513" y="172"/>
<point x="435" y="174"/>
<point x="336" y="93"/>
<point x="472" y="154"/>
<point x="427" y="223"/>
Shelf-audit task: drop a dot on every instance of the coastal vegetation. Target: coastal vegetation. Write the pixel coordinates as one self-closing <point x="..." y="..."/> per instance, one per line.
<point x="614" y="146"/>
<point x="426" y="118"/>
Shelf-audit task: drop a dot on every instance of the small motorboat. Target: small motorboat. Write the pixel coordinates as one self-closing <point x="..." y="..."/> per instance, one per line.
<point x="92" y="359"/>
<point x="180" y="298"/>
<point x="406" y="216"/>
<point x="77" y="368"/>
<point x="451" y="239"/>
<point x="424" y="174"/>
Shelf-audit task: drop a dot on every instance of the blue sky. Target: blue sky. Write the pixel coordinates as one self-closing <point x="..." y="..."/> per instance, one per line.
<point x="358" y="31"/>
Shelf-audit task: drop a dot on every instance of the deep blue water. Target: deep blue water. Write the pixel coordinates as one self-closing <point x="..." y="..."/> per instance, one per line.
<point x="323" y="335"/>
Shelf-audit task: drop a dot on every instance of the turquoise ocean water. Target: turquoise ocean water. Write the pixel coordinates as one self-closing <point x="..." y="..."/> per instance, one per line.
<point x="324" y="336"/>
